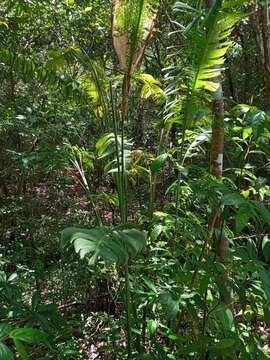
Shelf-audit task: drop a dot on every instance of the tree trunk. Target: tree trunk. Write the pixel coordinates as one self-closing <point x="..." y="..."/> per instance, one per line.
<point x="216" y="164"/>
<point x="260" y="24"/>
<point x="217" y="143"/>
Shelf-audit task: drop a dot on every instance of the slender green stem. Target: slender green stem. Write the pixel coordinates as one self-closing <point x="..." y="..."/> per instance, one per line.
<point x="121" y="180"/>
<point x="93" y="204"/>
<point x="118" y="155"/>
<point x="124" y="118"/>
<point x="128" y="312"/>
<point x="153" y="179"/>
<point x="152" y="196"/>
<point x="180" y="162"/>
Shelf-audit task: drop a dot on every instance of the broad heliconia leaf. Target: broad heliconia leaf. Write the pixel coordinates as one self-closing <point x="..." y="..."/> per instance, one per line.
<point x="4" y="330"/>
<point x="5" y="353"/>
<point x="29" y="335"/>
<point x="21" y="350"/>
<point x="112" y="245"/>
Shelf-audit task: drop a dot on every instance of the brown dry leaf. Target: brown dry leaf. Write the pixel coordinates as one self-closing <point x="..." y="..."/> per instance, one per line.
<point x="121" y="41"/>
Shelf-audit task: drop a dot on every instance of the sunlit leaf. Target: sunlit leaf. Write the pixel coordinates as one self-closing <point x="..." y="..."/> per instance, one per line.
<point x="112" y="245"/>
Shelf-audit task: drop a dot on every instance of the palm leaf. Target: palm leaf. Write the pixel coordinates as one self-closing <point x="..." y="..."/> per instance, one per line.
<point x="211" y="47"/>
<point x="89" y="86"/>
<point x="112" y="245"/>
<point x="29" y="68"/>
<point x="92" y="81"/>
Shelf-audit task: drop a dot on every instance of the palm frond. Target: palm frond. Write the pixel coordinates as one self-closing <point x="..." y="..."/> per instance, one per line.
<point x="211" y="45"/>
<point x="44" y="72"/>
<point x="188" y="84"/>
<point x="211" y="51"/>
<point x="92" y="80"/>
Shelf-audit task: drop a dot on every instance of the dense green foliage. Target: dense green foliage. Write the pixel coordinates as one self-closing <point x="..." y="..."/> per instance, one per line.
<point x="118" y="240"/>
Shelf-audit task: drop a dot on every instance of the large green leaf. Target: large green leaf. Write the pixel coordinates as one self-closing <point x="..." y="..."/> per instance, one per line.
<point x="106" y="146"/>
<point x="151" y="86"/>
<point x="21" y="350"/>
<point x="158" y="163"/>
<point x="258" y="121"/>
<point x="112" y="245"/>
<point x="4" y="330"/>
<point x="5" y="353"/>
<point x="266" y="248"/>
<point x="225" y="316"/>
<point x="262" y="211"/>
<point x="265" y="277"/>
<point x="29" y="335"/>
<point x="242" y="217"/>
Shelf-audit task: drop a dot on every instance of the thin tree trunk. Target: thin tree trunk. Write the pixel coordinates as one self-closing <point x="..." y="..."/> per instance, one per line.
<point x="216" y="163"/>
<point x="217" y="144"/>
<point x="260" y="24"/>
<point x="216" y="158"/>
